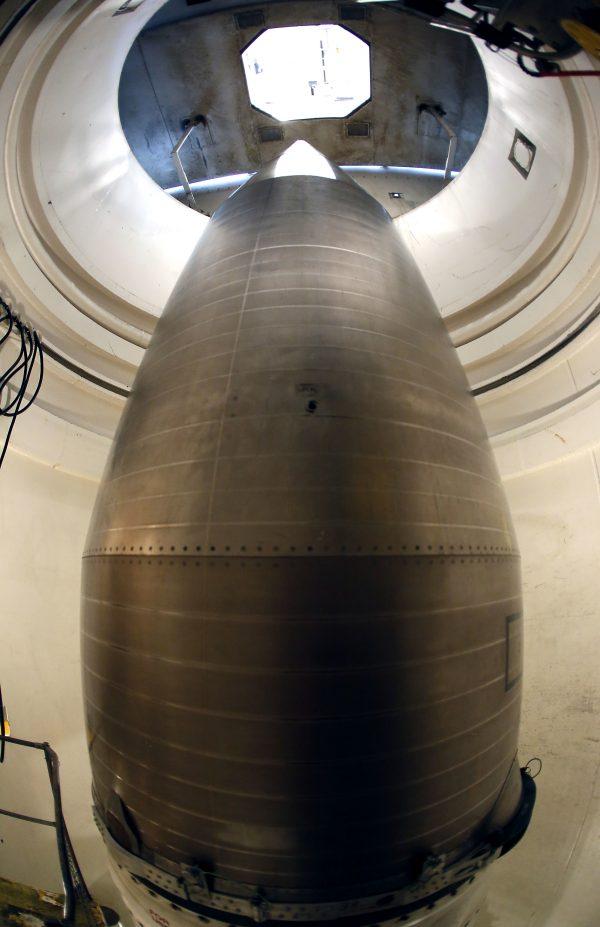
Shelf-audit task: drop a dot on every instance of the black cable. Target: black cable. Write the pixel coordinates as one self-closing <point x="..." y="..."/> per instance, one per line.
<point x="545" y="68"/>
<point x="527" y="767"/>
<point x="6" y="318"/>
<point x="2" y="728"/>
<point x="540" y="68"/>
<point x="16" y="377"/>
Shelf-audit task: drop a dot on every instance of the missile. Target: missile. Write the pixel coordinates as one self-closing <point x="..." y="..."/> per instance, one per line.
<point x="301" y="611"/>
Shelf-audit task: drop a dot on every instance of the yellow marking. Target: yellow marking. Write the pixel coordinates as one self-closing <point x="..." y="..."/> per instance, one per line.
<point x="588" y="38"/>
<point x="23" y="905"/>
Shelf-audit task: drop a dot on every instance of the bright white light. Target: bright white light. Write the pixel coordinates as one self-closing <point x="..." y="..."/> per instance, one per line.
<point x="390" y="169"/>
<point x="301" y="158"/>
<point x="234" y="181"/>
<point x="226" y="182"/>
<point x="308" y="72"/>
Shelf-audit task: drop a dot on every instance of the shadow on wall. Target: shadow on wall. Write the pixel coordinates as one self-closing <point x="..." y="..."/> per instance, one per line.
<point x="550" y="879"/>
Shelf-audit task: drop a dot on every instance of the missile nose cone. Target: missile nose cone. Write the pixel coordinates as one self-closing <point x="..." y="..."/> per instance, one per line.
<point x="304" y="160"/>
<point x="300" y="160"/>
<point x="301" y="597"/>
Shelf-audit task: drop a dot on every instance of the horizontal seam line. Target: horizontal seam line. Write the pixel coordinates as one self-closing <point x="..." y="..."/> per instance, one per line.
<point x="304" y="369"/>
<point x="290" y="671"/>
<point x="335" y="455"/>
<point x="310" y="490"/>
<point x="317" y="828"/>
<point x="272" y="762"/>
<point x="269" y="796"/>
<point x="283" y="719"/>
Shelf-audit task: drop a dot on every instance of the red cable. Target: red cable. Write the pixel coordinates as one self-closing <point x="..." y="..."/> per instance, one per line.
<point x="570" y="74"/>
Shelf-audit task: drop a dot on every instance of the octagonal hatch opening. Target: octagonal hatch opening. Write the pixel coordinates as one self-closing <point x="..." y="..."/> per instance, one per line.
<point x="308" y="72"/>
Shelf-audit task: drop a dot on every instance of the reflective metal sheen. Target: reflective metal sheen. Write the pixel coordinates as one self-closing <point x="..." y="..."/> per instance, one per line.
<point x="301" y="594"/>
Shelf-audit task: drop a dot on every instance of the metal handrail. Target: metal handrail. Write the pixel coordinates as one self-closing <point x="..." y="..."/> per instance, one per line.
<point x="438" y="114"/>
<point x="71" y="876"/>
<point x="189" y="126"/>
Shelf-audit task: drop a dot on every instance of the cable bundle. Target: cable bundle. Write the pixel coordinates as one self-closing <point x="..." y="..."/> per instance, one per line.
<point x="14" y="379"/>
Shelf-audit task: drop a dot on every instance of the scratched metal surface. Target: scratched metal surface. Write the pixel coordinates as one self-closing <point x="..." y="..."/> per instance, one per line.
<point x="301" y="594"/>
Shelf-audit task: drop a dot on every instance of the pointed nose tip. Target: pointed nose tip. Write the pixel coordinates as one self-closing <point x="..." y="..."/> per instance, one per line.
<point x="300" y="160"/>
<point x="304" y="160"/>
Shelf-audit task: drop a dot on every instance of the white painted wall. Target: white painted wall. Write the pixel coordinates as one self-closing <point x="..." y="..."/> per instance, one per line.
<point x="551" y="878"/>
<point x="43" y="521"/>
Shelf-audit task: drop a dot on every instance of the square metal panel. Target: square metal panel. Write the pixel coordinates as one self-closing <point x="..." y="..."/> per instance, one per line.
<point x="352" y="11"/>
<point x="249" y="19"/>
<point x="358" y="129"/>
<point x="270" y="133"/>
<point x="514" y="650"/>
<point x="522" y="154"/>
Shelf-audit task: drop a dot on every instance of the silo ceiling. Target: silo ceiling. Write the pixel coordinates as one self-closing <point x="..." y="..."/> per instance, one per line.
<point x="187" y="63"/>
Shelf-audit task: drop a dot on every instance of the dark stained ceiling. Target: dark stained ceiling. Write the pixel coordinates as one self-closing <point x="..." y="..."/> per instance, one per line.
<point x="187" y="63"/>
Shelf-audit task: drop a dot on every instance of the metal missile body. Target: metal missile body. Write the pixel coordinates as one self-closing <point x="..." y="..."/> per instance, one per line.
<point x="301" y="593"/>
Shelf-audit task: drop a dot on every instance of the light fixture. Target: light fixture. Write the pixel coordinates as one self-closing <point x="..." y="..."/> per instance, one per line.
<point x="308" y="72"/>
